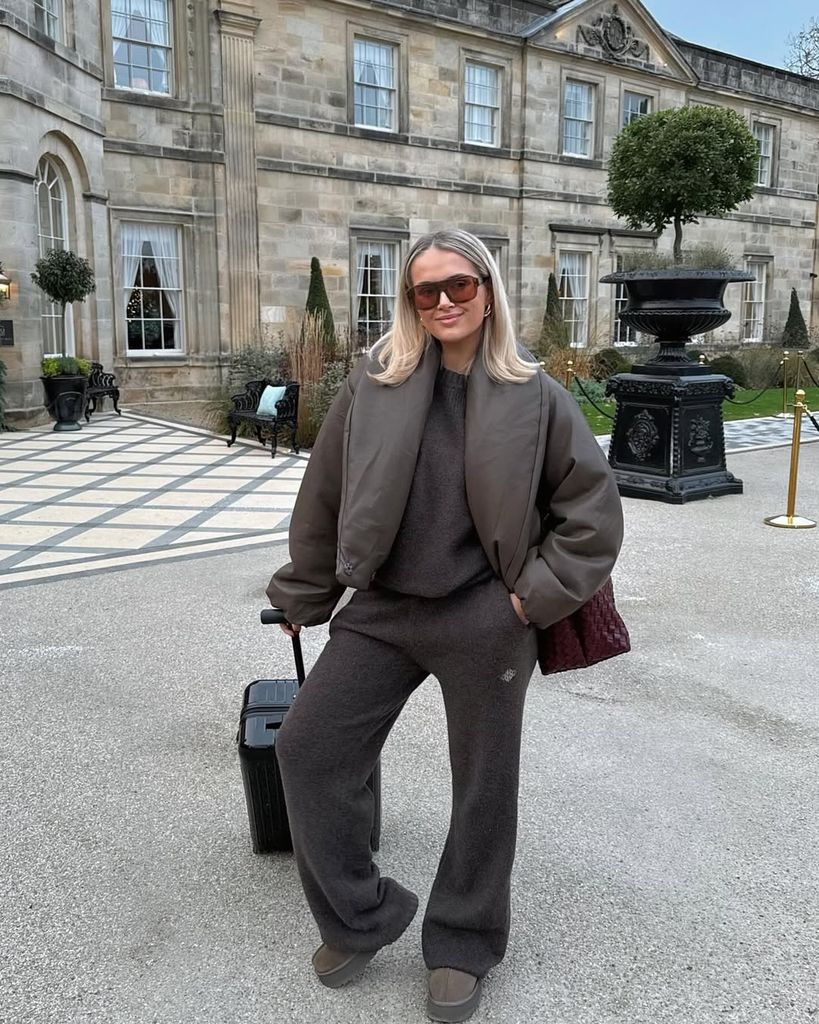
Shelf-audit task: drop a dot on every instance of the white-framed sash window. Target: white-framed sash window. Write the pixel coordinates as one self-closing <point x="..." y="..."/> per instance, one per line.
<point x="573" y="285"/>
<point x="753" y="300"/>
<point x="375" y="84"/>
<point x="375" y="287"/>
<point x="764" y="135"/>
<point x="623" y="334"/>
<point x="48" y="18"/>
<point x="578" y="119"/>
<point x="152" y="288"/>
<point x="141" y="31"/>
<point x="482" y="98"/>
<point x="635" y="105"/>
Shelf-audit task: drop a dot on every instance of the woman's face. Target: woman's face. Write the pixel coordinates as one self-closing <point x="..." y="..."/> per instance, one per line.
<point x="448" y="321"/>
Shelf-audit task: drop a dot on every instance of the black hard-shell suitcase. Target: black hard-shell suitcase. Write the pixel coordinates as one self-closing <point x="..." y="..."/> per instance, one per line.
<point x="265" y="703"/>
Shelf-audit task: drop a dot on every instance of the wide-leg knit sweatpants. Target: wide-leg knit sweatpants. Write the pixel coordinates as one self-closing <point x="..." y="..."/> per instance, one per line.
<point x="382" y="646"/>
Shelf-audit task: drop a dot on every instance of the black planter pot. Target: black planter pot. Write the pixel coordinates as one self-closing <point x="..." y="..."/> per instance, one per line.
<point x="672" y="305"/>
<point x="668" y="440"/>
<point x="65" y="399"/>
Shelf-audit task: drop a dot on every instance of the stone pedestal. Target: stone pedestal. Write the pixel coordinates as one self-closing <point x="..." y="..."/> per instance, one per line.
<point x="668" y="442"/>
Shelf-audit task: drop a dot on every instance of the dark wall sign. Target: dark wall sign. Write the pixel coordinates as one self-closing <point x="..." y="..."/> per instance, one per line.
<point x="6" y="332"/>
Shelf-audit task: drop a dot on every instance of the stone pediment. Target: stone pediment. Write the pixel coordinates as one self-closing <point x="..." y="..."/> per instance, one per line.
<point x="621" y="33"/>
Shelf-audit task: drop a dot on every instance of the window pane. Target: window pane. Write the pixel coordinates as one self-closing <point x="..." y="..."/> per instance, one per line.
<point x="374" y="67"/>
<point x="634" y="105"/>
<point x="52" y="230"/>
<point x="622" y="334"/>
<point x="151" y="283"/>
<point x="47" y="15"/>
<point x="481" y="104"/>
<point x="764" y="135"/>
<point x="141" y="44"/>
<point x="376" y="264"/>
<point x="578" y="119"/>
<point x="754" y="297"/>
<point x="574" y="294"/>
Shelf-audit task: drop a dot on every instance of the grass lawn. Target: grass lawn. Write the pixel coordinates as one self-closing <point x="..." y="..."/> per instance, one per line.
<point x="768" y="404"/>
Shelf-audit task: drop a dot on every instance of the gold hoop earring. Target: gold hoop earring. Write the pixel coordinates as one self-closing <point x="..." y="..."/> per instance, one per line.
<point x="487" y="311"/>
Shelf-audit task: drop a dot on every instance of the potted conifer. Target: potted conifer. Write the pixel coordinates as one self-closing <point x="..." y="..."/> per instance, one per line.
<point x="65" y="278"/>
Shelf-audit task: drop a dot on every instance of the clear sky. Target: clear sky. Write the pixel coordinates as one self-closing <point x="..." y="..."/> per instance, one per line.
<point x="757" y="29"/>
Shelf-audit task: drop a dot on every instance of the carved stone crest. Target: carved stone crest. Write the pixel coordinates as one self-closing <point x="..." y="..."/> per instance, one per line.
<point x="614" y="36"/>
<point x="642" y="435"/>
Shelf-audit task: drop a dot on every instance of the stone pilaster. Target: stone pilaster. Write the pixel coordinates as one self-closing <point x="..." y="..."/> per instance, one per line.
<point x="238" y="24"/>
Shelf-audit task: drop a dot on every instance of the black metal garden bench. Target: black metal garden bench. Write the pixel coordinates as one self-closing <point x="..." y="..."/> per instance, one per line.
<point x="101" y="385"/>
<point x="246" y="410"/>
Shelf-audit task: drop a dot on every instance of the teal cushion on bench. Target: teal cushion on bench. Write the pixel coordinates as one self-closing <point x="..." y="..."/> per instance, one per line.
<point x="270" y="396"/>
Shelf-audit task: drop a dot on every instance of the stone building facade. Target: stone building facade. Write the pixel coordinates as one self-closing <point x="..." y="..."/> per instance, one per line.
<point x="198" y="154"/>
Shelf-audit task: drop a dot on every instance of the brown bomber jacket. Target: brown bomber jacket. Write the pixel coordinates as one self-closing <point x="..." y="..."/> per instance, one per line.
<point x="542" y="495"/>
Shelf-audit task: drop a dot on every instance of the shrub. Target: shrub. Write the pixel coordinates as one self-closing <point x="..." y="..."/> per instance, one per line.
<point x="608" y="361"/>
<point x="320" y="395"/>
<point x="256" y="362"/>
<point x="319" y="305"/>
<point x="553" y="331"/>
<point x="762" y="365"/>
<point x="701" y="257"/>
<point x="732" y="368"/>
<point x="595" y="389"/>
<point x="55" y="366"/>
<point x="795" y="335"/>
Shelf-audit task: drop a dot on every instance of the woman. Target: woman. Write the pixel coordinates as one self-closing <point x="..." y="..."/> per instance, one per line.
<point x="461" y="493"/>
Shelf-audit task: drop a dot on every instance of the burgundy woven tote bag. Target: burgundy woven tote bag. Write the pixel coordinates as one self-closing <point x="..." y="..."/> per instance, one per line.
<point x="593" y="633"/>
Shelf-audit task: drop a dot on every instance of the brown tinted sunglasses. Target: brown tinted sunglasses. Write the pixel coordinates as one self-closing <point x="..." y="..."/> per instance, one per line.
<point x="461" y="288"/>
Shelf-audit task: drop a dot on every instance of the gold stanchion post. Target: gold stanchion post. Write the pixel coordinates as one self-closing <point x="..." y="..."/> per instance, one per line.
<point x="702" y="359"/>
<point x="569" y="373"/>
<point x="784" y="364"/>
<point x="791" y="521"/>
<point x="800" y="358"/>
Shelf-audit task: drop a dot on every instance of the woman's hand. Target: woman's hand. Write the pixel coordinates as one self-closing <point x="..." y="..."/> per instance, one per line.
<point x="290" y="628"/>
<point x="521" y="614"/>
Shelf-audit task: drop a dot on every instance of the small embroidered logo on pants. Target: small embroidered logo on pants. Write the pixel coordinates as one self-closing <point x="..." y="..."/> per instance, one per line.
<point x="508" y="675"/>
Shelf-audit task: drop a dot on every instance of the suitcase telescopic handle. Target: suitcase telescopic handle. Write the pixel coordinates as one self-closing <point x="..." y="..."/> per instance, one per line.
<point x="272" y="616"/>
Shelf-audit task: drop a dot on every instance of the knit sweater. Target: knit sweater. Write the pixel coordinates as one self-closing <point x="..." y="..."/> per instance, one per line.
<point x="436" y="550"/>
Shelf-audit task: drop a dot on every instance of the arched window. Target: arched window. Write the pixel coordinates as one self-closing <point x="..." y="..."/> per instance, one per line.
<point x="52" y="232"/>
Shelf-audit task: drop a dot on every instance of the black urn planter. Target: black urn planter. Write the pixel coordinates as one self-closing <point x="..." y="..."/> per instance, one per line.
<point x="65" y="399"/>
<point x="668" y="441"/>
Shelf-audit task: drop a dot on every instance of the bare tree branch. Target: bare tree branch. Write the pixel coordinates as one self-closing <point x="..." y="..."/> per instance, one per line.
<point x="803" y="50"/>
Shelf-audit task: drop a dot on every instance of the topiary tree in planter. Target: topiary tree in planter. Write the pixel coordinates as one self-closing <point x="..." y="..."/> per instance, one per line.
<point x="674" y="166"/>
<point x="65" y="278"/>
<point x="795" y="334"/>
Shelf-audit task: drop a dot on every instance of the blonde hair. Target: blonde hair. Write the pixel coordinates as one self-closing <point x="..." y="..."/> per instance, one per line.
<point x="400" y="350"/>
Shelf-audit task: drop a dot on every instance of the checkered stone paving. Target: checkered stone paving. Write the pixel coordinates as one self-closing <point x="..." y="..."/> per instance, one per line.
<point x="125" y="491"/>
<point x="129" y="490"/>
